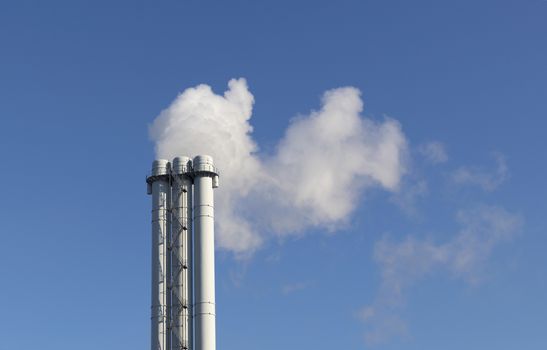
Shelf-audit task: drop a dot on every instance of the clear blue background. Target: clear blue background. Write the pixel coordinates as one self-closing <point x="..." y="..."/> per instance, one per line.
<point x="81" y="80"/>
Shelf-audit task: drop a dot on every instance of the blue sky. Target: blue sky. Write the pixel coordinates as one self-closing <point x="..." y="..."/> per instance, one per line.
<point x="453" y="258"/>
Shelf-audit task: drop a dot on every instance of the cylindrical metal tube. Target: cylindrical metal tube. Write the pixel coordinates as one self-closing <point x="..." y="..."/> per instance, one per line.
<point x="204" y="253"/>
<point x="181" y="324"/>
<point x="168" y="275"/>
<point x="159" y="181"/>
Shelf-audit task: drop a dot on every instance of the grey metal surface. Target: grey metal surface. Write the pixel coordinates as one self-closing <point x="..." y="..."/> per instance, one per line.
<point x="181" y="254"/>
<point x="204" y="250"/>
<point x="159" y="183"/>
<point x="183" y="261"/>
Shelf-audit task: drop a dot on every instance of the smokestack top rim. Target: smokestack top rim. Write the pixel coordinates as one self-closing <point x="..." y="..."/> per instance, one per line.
<point x="203" y="158"/>
<point x="204" y="163"/>
<point x="181" y="165"/>
<point x="160" y="167"/>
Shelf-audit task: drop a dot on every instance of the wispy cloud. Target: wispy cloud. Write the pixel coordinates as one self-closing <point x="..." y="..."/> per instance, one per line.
<point x="409" y="194"/>
<point x="294" y="287"/>
<point x="488" y="180"/>
<point x="237" y="274"/>
<point x="434" y="152"/>
<point x="404" y="263"/>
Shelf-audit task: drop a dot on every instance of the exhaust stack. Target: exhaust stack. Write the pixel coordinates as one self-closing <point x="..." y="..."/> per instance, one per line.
<point x="183" y="253"/>
<point x="204" y="219"/>
<point x="158" y="187"/>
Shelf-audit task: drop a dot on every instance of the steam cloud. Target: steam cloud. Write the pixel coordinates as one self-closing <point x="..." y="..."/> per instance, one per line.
<point x="316" y="177"/>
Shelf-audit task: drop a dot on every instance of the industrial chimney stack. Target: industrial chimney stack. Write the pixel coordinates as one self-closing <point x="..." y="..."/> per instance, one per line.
<point x="183" y="253"/>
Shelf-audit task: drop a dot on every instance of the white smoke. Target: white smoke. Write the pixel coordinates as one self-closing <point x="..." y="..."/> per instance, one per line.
<point x="316" y="177"/>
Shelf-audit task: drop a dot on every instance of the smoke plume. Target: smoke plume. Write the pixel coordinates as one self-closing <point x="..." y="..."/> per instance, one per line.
<point x="320" y="169"/>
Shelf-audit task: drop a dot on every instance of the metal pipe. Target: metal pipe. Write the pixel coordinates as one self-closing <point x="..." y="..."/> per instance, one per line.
<point x="168" y="273"/>
<point x="181" y="212"/>
<point x="158" y="185"/>
<point x="204" y="253"/>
